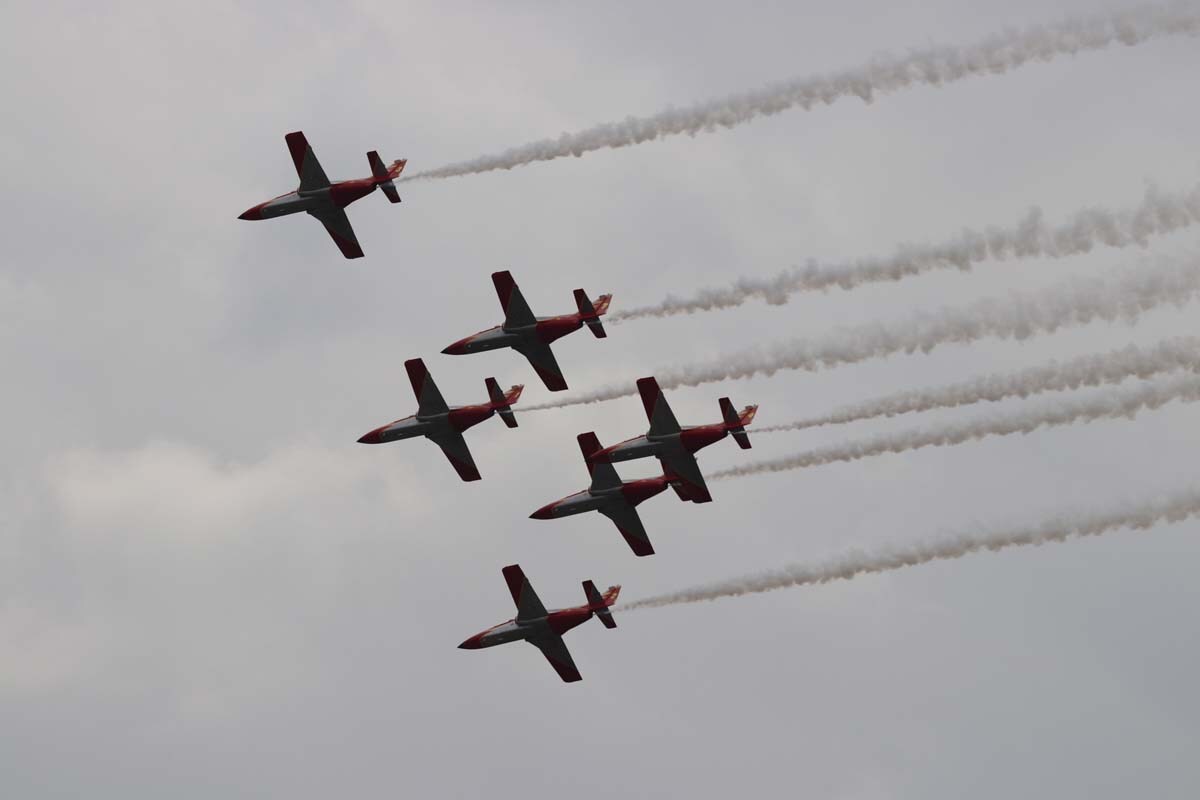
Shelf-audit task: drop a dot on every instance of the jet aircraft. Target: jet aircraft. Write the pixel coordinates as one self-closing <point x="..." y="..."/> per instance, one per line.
<point x="325" y="200"/>
<point x="444" y="425"/>
<point x="613" y="498"/>
<point x="544" y="629"/>
<point x="531" y="336"/>
<point x="675" y="446"/>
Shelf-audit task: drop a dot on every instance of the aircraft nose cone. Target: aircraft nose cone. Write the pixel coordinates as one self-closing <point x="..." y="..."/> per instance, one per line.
<point x="545" y="512"/>
<point x="470" y="644"/>
<point x="459" y="348"/>
<point x="374" y="437"/>
<point x="251" y="213"/>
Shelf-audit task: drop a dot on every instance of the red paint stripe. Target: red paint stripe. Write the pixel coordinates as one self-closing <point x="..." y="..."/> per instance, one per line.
<point x="298" y="147"/>
<point x="504" y="284"/>
<point x="648" y="389"/>
<point x="416" y="375"/>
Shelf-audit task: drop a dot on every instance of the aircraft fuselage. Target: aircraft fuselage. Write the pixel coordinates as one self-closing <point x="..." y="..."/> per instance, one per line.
<point x="337" y="195"/>
<point x="545" y="330"/>
<point x="578" y="503"/>
<point x="555" y="623"/>
<point x="630" y="493"/>
<point x="457" y="419"/>
<point x="688" y="440"/>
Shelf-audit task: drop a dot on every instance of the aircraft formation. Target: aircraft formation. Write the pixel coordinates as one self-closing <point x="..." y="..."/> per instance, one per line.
<point x="672" y="444"/>
<point x="675" y="446"/>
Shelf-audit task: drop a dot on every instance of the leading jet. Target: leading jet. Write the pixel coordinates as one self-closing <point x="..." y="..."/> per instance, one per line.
<point x="532" y="336"/>
<point x="612" y="497"/>
<point x="544" y="629"/>
<point x="675" y="446"/>
<point x="444" y="425"/>
<point x="324" y="200"/>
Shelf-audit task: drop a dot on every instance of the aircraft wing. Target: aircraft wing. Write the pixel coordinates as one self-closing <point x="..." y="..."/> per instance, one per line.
<point x="455" y="448"/>
<point x="542" y="359"/>
<point x="556" y="652"/>
<point x="658" y="411"/>
<point x="338" y="225"/>
<point x="307" y="166"/>
<point x="516" y="311"/>
<point x="626" y="518"/>
<point x="529" y="605"/>
<point x="429" y="400"/>
<point x="604" y="475"/>
<point x="686" y="469"/>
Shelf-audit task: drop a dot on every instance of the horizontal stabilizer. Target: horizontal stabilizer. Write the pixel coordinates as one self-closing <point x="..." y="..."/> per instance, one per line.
<point x="590" y="314"/>
<point x="599" y="604"/>
<point x="385" y="174"/>
<point x="736" y="423"/>
<point x="503" y="402"/>
<point x="389" y="189"/>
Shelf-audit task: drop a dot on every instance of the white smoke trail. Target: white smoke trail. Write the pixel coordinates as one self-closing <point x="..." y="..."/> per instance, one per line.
<point x="1093" y="370"/>
<point x="1173" y="508"/>
<point x="933" y="66"/>
<point x="1119" y="402"/>
<point x="1075" y="301"/>
<point x="1159" y="214"/>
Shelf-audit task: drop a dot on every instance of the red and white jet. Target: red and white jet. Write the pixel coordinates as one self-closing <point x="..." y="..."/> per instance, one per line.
<point x="544" y="629"/>
<point x="612" y="497"/>
<point x="531" y="336"/>
<point x="325" y="200"/>
<point x="674" y="446"/>
<point x="442" y="424"/>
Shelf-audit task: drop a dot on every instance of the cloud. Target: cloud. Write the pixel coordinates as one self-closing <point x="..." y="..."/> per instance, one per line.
<point x="180" y="491"/>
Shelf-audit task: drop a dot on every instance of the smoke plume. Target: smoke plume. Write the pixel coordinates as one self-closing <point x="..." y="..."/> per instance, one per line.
<point x="1173" y="508"/>
<point x="1119" y="402"/>
<point x="1075" y="301"/>
<point x="1092" y="370"/>
<point x="933" y="66"/>
<point x="1159" y="214"/>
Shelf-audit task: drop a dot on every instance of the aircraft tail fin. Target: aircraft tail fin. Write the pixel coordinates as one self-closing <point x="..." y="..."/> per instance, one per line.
<point x="599" y="604"/>
<point x="590" y="314"/>
<point x="503" y="401"/>
<point x="736" y="423"/>
<point x="385" y="174"/>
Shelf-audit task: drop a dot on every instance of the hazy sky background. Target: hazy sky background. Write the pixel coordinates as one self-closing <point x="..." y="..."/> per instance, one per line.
<point x="208" y="589"/>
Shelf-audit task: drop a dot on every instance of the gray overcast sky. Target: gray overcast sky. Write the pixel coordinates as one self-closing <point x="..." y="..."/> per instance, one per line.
<point x="208" y="589"/>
